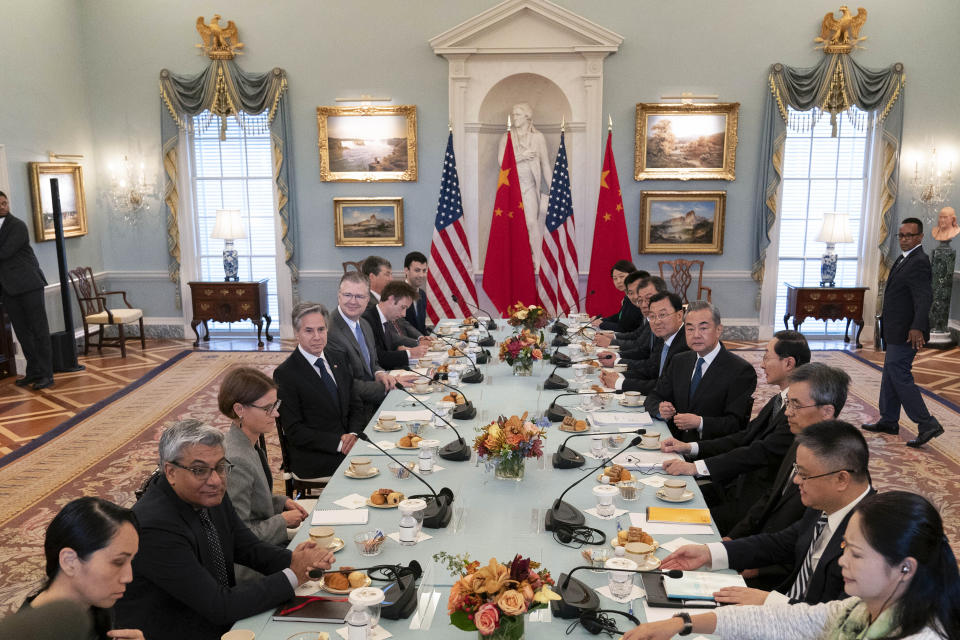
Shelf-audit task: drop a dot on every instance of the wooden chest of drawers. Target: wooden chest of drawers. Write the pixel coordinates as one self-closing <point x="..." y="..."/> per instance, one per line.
<point x="229" y="302"/>
<point x="826" y="303"/>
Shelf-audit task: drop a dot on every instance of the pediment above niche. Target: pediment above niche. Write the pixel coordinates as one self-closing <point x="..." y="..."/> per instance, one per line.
<point x="526" y="26"/>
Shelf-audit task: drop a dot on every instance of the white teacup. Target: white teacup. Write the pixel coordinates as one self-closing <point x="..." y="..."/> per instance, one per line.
<point x="421" y="386"/>
<point x="650" y="440"/>
<point x="387" y="421"/>
<point x="323" y="536"/>
<point x="674" y="488"/>
<point x="632" y="398"/>
<point x="639" y="552"/>
<point x="360" y="466"/>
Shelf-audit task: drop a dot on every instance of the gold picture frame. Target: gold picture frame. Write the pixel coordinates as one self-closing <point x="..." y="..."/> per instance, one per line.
<point x="72" y="200"/>
<point x="682" y="221"/>
<point x="686" y="141"/>
<point x="368" y="144"/>
<point x="368" y="222"/>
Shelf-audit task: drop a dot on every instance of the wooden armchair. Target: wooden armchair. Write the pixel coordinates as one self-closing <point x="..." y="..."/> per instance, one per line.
<point x="356" y="266"/>
<point x="682" y="274"/>
<point x="292" y="483"/>
<point x="94" y="310"/>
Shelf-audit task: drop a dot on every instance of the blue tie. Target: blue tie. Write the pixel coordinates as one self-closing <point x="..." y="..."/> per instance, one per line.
<point x="328" y="381"/>
<point x="663" y="357"/>
<point x="697" y="375"/>
<point x="358" y="333"/>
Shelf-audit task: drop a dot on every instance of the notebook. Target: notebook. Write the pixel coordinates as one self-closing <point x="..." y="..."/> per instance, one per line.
<point x="332" y="517"/>
<point x="313" y="609"/>
<point x="700" y="585"/>
<point x="620" y="419"/>
<point x="681" y="516"/>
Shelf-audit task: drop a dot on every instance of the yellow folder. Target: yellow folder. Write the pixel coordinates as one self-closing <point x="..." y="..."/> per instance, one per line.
<point x="673" y="514"/>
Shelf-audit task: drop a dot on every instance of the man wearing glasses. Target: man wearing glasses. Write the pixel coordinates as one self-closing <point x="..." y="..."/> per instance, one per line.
<point x="184" y="585"/>
<point x="904" y="329"/>
<point x="831" y="471"/>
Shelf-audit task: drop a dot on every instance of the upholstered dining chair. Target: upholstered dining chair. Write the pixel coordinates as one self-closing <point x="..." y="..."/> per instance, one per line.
<point x="351" y="266"/>
<point x="94" y="310"/>
<point x="682" y="274"/>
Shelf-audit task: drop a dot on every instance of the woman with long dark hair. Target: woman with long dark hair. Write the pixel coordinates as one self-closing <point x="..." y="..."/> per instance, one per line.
<point x="897" y="566"/>
<point x="89" y="546"/>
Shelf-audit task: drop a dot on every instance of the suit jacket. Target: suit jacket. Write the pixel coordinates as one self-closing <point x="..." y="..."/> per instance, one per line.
<point x="387" y="353"/>
<point x="907" y="298"/>
<point x="19" y="269"/>
<point x="724" y="396"/>
<point x="342" y="341"/>
<point x="312" y="424"/>
<point x="417" y="313"/>
<point x="642" y="375"/>
<point x="628" y="318"/>
<point x="174" y="594"/>
<point x="640" y="347"/>
<point x="778" y="507"/>
<point x="791" y="545"/>
<point x="256" y="505"/>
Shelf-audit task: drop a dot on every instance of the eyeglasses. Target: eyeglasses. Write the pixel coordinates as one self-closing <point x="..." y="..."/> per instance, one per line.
<point x="904" y="236"/>
<point x="804" y="477"/>
<point x="662" y="316"/>
<point x="269" y="408"/>
<point x="223" y="470"/>
<point x="794" y="405"/>
<point x="354" y="296"/>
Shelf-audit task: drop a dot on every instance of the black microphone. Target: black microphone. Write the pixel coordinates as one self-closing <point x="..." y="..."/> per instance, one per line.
<point x="474" y="376"/>
<point x="565" y="458"/>
<point x="559" y="327"/>
<point x="576" y="597"/>
<point x="491" y="325"/>
<point x="562" y="513"/>
<point x="554" y="381"/>
<point x="458" y="450"/>
<point x="465" y="411"/>
<point x="556" y="413"/>
<point x="438" y="512"/>
<point x="318" y="573"/>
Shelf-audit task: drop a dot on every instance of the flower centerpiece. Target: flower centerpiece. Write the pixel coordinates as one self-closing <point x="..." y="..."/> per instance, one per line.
<point x="521" y="350"/>
<point x="529" y="316"/>
<point x="493" y="599"/>
<point x="506" y="443"/>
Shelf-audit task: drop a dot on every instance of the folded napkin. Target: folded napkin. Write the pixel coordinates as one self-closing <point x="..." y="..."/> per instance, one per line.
<point x="352" y="501"/>
<point x="637" y="592"/>
<point x="377" y="633"/>
<point x="395" y="536"/>
<point x="340" y="516"/>
<point x="616" y="513"/>
<point x="675" y="544"/>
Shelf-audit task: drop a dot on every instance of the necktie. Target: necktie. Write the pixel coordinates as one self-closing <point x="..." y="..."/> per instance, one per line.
<point x="697" y="375"/>
<point x="216" y="550"/>
<point x="777" y="404"/>
<point x="422" y="308"/>
<point x="799" y="588"/>
<point x="652" y="339"/>
<point x="328" y="381"/>
<point x="663" y="357"/>
<point x="266" y="465"/>
<point x="358" y="334"/>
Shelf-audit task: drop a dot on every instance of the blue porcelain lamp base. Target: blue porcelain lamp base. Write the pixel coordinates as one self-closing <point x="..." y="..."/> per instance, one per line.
<point x="828" y="267"/>
<point x="231" y="262"/>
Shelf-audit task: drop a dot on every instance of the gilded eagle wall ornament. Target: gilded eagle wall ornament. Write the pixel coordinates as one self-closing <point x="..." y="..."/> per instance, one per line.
<point x="841" y="35"/>
<point x="219" y="43"/>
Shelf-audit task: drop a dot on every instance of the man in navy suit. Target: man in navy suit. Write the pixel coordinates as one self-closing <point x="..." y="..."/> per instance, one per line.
<point x="415" y="273"/>
<point x="904" y="328"/>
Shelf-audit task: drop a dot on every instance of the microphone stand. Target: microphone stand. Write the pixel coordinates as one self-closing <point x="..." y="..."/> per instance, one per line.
<point x="491" y="325"/>
<point x="565" y="458"/>
<point x="458" y="450"/>
<point x="563" y="513"/>
<point x="576" y="597"/>
<point x="474" y="376"/>
<point x="554" y="381"/>
<point x="437" y="514"/>
<point x="465" y="411"/>
<point x="556" y="413"/>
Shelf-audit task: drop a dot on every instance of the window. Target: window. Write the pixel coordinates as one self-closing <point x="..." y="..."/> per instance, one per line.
<point x="236" y="173"/>
<point x="820" y="173"/>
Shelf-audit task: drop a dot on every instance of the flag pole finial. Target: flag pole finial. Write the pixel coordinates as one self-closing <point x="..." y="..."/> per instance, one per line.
<point x="563" y="122"/>
<point x="509" y="126"/>
<point x="450" y="126"/>
<point x="610" y="121"/>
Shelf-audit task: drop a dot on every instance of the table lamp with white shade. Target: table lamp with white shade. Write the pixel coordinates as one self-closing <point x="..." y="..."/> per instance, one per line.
<point x="835" y="229"/>
<point x="228" y="227"/>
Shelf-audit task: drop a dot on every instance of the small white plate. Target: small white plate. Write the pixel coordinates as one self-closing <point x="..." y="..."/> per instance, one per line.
<point x="638" y="405"/>
<point x="397" y="427"/>
<point x="400" y="446"/>
<point x="687" y="495"/>
<point x="350" y="474"/>
<point x="643" y="446"/>
<point x="323" y="586"/>
<point x="383" y="506"/>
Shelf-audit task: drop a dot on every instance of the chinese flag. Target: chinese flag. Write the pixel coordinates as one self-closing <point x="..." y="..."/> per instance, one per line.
<point x="610" y="241"/>
<point x="508" y="268"/>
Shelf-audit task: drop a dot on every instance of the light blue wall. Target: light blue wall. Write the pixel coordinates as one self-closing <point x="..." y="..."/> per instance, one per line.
<point x="379" y="47"/>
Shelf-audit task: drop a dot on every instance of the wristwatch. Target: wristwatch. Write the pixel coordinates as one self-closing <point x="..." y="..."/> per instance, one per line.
<point x="687" y="623"/>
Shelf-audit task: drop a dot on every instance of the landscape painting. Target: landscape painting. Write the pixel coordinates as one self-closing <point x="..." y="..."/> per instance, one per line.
<point x="682" y="221"/>
<point x="72" y="203"/>
<point x="686" y="141"/>
<point x="367" y="143"/>
<point x="370" y="222"/>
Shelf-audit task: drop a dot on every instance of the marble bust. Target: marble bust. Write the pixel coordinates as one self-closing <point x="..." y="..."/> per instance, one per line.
<point x="946" y="229"/>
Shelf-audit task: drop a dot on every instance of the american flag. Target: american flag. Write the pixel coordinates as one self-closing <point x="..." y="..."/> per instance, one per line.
<point x="558" y="263"/>
<point x="451" y="268"/>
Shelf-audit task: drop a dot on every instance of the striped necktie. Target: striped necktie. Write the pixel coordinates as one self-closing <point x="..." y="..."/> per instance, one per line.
<point x="799" y="588"/>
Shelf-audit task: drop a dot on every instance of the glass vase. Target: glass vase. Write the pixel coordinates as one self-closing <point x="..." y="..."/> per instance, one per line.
<point x="523" y="368"/>
<point x="511" y="468"/>
<point x="511" y="628"/>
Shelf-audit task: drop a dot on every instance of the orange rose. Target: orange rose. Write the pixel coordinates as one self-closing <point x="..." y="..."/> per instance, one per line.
<point x="512" y="602"/>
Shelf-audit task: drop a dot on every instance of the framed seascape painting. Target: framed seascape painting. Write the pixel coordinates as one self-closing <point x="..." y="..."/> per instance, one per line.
<point x="368" y="222"/>
<point x="368" y="144"/>
<point x="686" y="141"/>
<point x="682" y="221"/>
<point x="72" y="203"/>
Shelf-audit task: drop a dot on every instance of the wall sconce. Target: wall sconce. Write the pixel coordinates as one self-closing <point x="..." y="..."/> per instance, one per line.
<point x="931" y="184"/>
<point x="129" y="190"/>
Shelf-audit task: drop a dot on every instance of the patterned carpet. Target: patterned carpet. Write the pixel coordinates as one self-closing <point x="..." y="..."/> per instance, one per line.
<point x="110" y="447"/>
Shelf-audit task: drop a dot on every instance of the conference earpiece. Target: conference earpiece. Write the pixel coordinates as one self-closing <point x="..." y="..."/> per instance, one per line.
<point x="598" y="621"/>
<point x="578" y="535"/>
<point x="904" y="569"/>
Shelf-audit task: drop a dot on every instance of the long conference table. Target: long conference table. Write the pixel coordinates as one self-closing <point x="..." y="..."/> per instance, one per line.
<point x="491" y="517"/>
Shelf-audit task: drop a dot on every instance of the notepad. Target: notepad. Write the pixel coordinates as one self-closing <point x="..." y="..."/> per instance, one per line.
<point x="313" y="609"/>
<point x="417" y="415"/>
<point x="700" y="585"/>
<point x="678" y="516"/>
<point x="332" y="517"/>
<point x="620" y="419"/>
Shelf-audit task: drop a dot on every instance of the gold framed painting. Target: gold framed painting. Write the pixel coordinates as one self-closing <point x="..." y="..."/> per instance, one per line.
<point x="72" y="202"/>
<point x="368" y="222"/>
<point x="686" y="141"/>
<point x="368" y="144"/>
<point x="682" y="221"/>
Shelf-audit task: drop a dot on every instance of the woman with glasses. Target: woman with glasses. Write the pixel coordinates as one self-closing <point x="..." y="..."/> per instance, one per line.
<point x="89" y="547"/>
<point x="897" y="566"/>
<point x="249" y="398"/>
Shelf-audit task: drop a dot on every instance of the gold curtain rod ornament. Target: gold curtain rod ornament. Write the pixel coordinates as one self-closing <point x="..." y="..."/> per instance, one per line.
<point x="219" y="43"/>
<point x="841" y="35"/>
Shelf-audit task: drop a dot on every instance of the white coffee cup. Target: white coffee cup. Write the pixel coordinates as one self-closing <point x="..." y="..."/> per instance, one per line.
<point x="323" y="536"/>
<point x="674" y="488"/>
<point x="360" y="466"/>
<point x="632" y="398"/>
<point x="421" y="386"/>
<point x="387" y="421"/>
<point x="650" y="439"/>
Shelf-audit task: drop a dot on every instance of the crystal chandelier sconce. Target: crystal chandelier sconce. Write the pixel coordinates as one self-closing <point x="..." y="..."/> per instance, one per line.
<point x="129" y="190"/>
<point x="931" y="184"/>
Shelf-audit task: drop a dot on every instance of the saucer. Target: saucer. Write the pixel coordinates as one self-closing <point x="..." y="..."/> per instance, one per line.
<point x="324" y="586"/>
<point x="422" y="393"/>
<point x="336" y="545"/>
<point x="400" y="446"/>
<point x="638" y="405"/>
<point x="652" y="563"/>
<point x="382" y="506"/>
<point x="687" y="495"/>
<point x="654" y="448"/>
<point x="350" y="474"/>
<point x="377" y="427"/>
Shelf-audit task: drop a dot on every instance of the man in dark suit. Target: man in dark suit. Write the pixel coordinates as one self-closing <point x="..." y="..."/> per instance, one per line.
<point x="833" y="476"/>
<point x="378" y="272"/>
<point x="415" y="273"/>
<point x="394" y="350"/>
<point x="319" y="413"/>
<point x="665" y="316"/>
<point x="736" y="470"/>
<point x="636" y="343"/>
<point x="21" y="288"/>
<point x="183" y="584"/>
<point x="706" y="392"/>
<point x="905" y="328"/>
